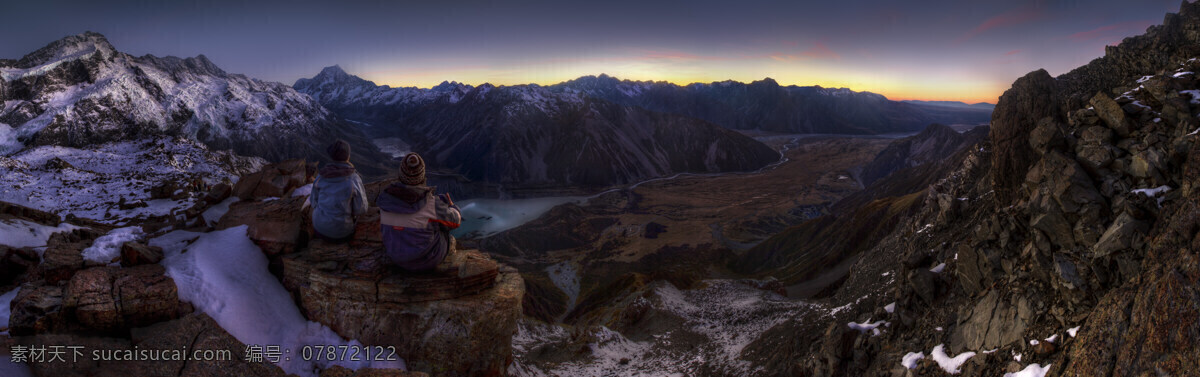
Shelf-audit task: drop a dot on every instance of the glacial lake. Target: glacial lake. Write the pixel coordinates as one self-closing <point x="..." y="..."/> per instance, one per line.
<point x="491" y="216"/>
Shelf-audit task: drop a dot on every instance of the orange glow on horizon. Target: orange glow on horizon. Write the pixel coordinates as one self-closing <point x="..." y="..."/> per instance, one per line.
<point x="895" y="91"/>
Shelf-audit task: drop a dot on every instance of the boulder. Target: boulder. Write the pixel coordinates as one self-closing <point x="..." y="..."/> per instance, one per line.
<point x="37" y="309"/>
<point x="97" y="299"/>
<point x="110" y="298"/>
<point x="993" y="322"/>
<point x="89" y="295"/>
<point x="275" y="180"/>
<point x="458" y="321"/>
<point x="276" y="226"/>
<point x="135" y="253"/>
<point x="1046" y="135"/>
<point x="64" y="254"/>
<point x="146" y="295"/>
<point x="1111" y="114"/>
<point x="218" y="193"/>
<point x="1125" y="233"/>
<point x="974" y="271"/>
<point x="1056" y="229"/>
<point x="1145" y="164"/>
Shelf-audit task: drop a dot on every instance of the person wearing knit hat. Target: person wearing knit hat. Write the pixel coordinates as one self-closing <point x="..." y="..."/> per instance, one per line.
<point x="415" y="222"/>
<point x="337" y="196"/>
<point x="412" y="170"/>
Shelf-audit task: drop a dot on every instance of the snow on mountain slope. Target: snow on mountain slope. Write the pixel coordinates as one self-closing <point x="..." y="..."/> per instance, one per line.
<point x="95" y="182"/>
<point x="80" y="91"/>
<point x="351" y="95"/>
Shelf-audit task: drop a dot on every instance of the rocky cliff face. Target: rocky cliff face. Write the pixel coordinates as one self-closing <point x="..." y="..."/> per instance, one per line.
<point x="1065" y="244"/>
<point x="81" y="91"/>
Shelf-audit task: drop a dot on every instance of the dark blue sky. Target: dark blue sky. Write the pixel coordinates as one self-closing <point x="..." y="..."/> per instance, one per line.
<point x="956" y="50"/>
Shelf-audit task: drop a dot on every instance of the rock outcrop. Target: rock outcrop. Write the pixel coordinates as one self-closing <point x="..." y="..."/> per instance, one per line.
<point x="456" y="321"/>
<point x="277" y="226"/>
<point x="272" y="181"/>
<point x="1031" y="98"/>
<point x="101" y="300"/>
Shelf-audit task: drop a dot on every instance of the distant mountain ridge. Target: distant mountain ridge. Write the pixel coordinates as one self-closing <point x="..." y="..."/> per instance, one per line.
<point x="535" y="136"/>
<point x="956" y="104"/>
<point x="766" y="105"/>
<point x="81" y="91"/>
<point x="759" y="105"/>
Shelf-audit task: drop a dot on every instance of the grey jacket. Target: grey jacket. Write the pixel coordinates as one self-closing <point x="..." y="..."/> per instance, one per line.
<point x="337" y="196"/>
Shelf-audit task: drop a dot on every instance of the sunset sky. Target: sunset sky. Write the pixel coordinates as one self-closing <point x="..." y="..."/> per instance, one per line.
<point x="932" y="50"/>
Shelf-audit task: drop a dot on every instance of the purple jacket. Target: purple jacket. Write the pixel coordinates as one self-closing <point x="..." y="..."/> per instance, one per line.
<point x="416" y="225"/>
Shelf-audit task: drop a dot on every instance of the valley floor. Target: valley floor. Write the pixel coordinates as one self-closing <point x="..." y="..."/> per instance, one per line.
<point x="633" y="280"/>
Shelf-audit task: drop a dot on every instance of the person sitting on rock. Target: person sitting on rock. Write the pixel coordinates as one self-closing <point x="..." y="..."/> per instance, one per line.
<point x="337" y="196"/>
<point x="416" y="223"/>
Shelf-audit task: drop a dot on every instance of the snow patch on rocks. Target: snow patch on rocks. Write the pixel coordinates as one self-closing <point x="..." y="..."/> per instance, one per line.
<point x="20" y="233"/>
<point x="1031" y="370"/>
<point x="108" y="247"/>
<point x="224" y="274"/>
<point x="949" y="364"/>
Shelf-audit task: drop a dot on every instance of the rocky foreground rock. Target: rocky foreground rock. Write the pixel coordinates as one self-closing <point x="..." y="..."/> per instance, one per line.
<point x="456" y="321"/>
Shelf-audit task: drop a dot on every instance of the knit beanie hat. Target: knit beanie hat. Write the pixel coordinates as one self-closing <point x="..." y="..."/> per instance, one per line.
<point x="339" y="151"/>
<point x="412" y="170"/>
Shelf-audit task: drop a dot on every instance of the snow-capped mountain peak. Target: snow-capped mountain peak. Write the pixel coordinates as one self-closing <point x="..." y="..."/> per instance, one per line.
<point x="71" y="47"/>
<point x="80" y="91"/>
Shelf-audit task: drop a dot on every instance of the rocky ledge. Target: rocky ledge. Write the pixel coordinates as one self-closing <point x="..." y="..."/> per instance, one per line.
<point x="457" y="321"/>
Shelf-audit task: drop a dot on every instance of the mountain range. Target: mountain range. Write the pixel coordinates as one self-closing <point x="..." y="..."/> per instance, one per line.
<point x="594" y="131"/>
<point x="533" y="136"/>
<point x="80" y="91"/>
<point x="598" y="130"/>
